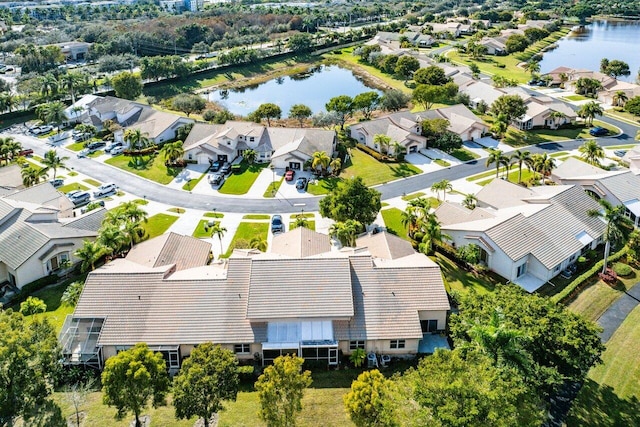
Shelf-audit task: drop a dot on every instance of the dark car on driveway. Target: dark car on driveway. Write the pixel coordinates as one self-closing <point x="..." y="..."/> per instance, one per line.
<point x="226" y="168"/>
<point x="215" y="166"/>
<point x="301" y="183"/>
<point x="598" y="131"/>
<point x="277" y="226"/>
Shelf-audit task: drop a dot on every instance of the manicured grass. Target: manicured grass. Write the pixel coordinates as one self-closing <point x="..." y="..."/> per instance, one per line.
<point x="464" y="155"/>
<point x="272" y="189"/>
<point x="158" y="224"/>
<point x="575" y="98"/>
<point x="374" y="172"/>
<point x="460" y="280"/>
<point x="322" y="186"/>
<point x="95" y="154"/>
<point x="76" y="146"/>
<point x="190" y="185"/>
<point x="560" y="154"/>
<point x="176" y="210"/>
<point x="610" y="396"/>
<point x="311" y="225"/>
<point x="384" y="204"/>
<point x="393" y="221"/>
<point x="245" y="232"/>
<point x="240" y="183"/>
<point x="623" y="115"/>
<point x="489" y="65"/>
<point x="213" y="215"/>
<point x="141" y="201"/>
<point x="92" y="182"/>
<point x="149" y="167"/>
<point x="72" y="187"/>
<point x="442" y="163"/>
<point x="56" y="312"/>
<point x="72" y="173"/>
<point x="413" y="196"/>
<point x="513" y="176"/>
<point x="517" y="138"/>
<point x="621" y="147"/>
<point x="200" y="231"/>
<point x="256" y="216"/>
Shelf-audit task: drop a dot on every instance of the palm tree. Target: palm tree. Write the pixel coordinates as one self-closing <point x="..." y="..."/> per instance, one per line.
<point x="591" y="152"/>
<point x="444" y="186"/>
<point x="409" y="219"/>
<point x="69" y="81"/>
<point x="112" y="238"/>
<point x="51" y="160"/>
<point x="172" y="151"/>
<point x="134" y="231"/>
<point x="9" y="148"/>
<point x="563" y="79"/>
<point x="589" y="111"/>
<point x="399" y="150"/>
<point x="218" y="230"/>
<point x="300" y="221"/>
<point x="345" y="232"/>
<point x="250" y="155"/>
<point x="521" y="157"/>
<point x="320" y="159"/>
<point x="132" y="212"/>
<point x="533" y="67"/>
<point x="7" y="101"/>
<point x="258" y="243"/>
<point x="52" y="112"/>
<point x="557" y="117"/>
<point x="496" y="156"/>
<point x="619" y="98"/>
<point x="382" y="141"/>
<point x="430" y="226"/>
<point x="615" y="219"/>
<point x="31" y="176"/>
<point x="48" y="85"/>
<point x="89" y="253"/>
<point x="543" y="164"/>
<point x="335" y="165"/>
<point x="137" y="139"/>
<point x="470" y="201"/>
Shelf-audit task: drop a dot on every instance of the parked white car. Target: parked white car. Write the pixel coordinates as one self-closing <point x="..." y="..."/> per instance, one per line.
<point x="117" y="150"/>
<point x="105" y="189"/>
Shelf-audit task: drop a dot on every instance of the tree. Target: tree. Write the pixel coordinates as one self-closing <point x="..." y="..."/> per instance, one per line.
<point x="427" y="95"/>
<point x="29" y="361"/>
<point x="366" y="102"/>
<point x="112" y="238"/>
<point x="475" y="70"/>
<point x="336" y="165"/>
<point x="444" y="186"/>
<point x="557" y="116"/>
<point x="127" y="85"/>
<point x="431" y="75"/>
<point x="614" y="68"/>
<point x="516" y="43"/>
<point x="72" y="293"/>
<point x="589" y="111"/>
<point x="532" y="67"/>
<point x="543" y="164"/>
<point x="132" y="378"/>
<point x="394" y="100"/>
<point x="496" y="156"/>
<point x="406" y="66"/>
<point x="52" y="112"/>
<point x="31" y="175"/>
<point x="469" y="253"/>
<point x="300" y="112"/>
<point x="320" y="160"/>
<point x="76" y="395"/>
<point x="433" y="128"/>
<point x="280" y="390"/>
<point x="382" y="141"/>
<point x="431" y="231"/>
<point x="447" y="141"/>
<point x="633" y="244"/>
<point x="207" y="378"/>
<point x="615" y="219"/>
<point x="619" y="98"/>
<point x="32" y="305"/>
<point x="591" y="152"/>
<point x="51" y="160"/>
<point x="250" y="155"/>
<point x="218" y="230"/>
<point x="343" y="106"/>
<point x="511" y="106"/>
<point x="89" y="253"/>
<point x="300" y="221"/>
<point x="357" y="357"/>
<point x="470" y="201"/>
<point x="172" y="152"/>
<point x="633" y="106"/>
<point x="258" y="243"/>
<point x="370" y="401"/>
<point x="137" y="139"/>
<point x="188" y="103"/>
<point x="299" y="42"/>
<point x="521" y="157"/>
<point x="351" y="199"/>
<point x="346" y="232"/>
<point x="268" y="111"/>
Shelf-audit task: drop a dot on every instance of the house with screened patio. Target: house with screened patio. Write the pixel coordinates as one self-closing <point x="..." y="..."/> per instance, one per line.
<point x="302" y="297"/>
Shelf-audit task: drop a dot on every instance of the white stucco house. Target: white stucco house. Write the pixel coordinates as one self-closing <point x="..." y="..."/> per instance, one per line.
<point x="526" y="235"/>
<point x="283" y="147"/>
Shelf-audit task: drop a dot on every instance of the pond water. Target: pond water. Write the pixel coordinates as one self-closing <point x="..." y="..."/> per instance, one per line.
<point x="600" y="39"/>
<point x="313" y="88"/>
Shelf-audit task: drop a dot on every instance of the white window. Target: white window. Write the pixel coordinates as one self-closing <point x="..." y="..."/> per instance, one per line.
<point x="56" y="262"/>
<point x="353" y="345"/>
<point x="242" y="348"/>
<point x="522" y="269"/>
<point x="396" y="344"/>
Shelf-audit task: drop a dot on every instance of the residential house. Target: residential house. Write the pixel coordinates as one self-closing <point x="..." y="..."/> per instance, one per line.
<point x="283" y="147"/>
<point x="526" y="235"/>
<point x="567" y="77"/>
<point x="34" y="238"/>
<point x="616" y="187"/>
<point x="406" y="127"/>
<point x="633" y="158"/>
<point x="383" y="298"/>
<point x="74" y="51"/>
<point x="10" y="179"/>
<point x="545" y="112"/>
<point x="451" y="28"/>
<point x="393" y="40"/>
<point x="494" y="45"/>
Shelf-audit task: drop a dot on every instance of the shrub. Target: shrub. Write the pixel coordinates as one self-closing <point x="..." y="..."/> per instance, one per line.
<point x="236" y="168"/>
<point x="622" y="269"/>
<point x="500" y="65"/>
<point x="373" y="153"/>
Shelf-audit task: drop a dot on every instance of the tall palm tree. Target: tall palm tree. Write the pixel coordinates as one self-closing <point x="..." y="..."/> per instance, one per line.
<point x="9" y="149"/>
<point x="383" y="142"/>
<point x="496" y="156"/>
<point x="335" y="165"/>
<point x="614" y="218"/>
<point x="31" y="176"/>
<point x="591" y="152"/>
<point x="69" y="81"/>
<point x="532" y="67"/>
<point x="399" y="150"/>
<point x="258" y="243"/>
<point x="300" y="221"/>
<point x="345" y="232"/>
<point x="134" y="231"/>
<point x="521" y="157"/>
<point x="132" y="212"/>
<point x="589" y="111"/>
<point x="444" y="186"/>
<point x="320" y="159"/>
<point x="112" y="238"/>
<point x="557" y="117"/>
<point x="218" y="230"/>
<point x="89" y="253"/>
<point x="137" y="139"/>
<point x="470" y="201"/>
<point x="172" y="151"/>
<point x="543" y="164"/>
<point x="409" y="218"/>
<point x="619" y="98"/>
<point x="433" y="234"/>
<point x="564" y="77"/>
<point x="51" y="160"/>
<point x="52" y="112"/>
<point x="48" y="85"/>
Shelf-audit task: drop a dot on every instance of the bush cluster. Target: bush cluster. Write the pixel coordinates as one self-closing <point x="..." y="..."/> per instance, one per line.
<point x="373" y="153"/>
<point x="622" y="269"/>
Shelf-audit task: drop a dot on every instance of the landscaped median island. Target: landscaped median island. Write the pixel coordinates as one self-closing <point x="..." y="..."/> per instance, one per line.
<point x="147" y="166"/>
<point x="158" y="224"/>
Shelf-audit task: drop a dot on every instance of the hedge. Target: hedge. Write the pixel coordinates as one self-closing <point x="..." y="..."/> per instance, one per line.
<point x="373" y="153"/>
<point x="578" y="283"/>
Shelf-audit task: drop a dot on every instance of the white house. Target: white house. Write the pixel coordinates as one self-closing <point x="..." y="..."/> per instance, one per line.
<point x="526" y="235"/>
<point x="283" y="147"/>
<point x="35" y="239"/>
<point x="299" y="298"/>
<point x="546" y="112"/>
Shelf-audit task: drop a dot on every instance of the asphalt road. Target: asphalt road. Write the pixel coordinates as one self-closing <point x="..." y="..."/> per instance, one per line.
<point x="159" y="193"/>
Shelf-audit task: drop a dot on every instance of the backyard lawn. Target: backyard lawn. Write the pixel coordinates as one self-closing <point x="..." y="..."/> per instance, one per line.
<point x="149" y="167"/>
<point x="457" y="279"/>
<point x="374" y="172"/>
<point x="245" y="232"/>
<point x="56" y="312"/>
<point x="393" y="221"/>
<point x="158" y="224"/>
<point x="240" y="182"/>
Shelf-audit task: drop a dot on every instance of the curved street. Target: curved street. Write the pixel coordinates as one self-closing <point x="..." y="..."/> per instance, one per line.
<point x="153" y="191"/>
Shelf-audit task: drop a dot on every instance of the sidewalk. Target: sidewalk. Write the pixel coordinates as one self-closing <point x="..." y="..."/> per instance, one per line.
<point x="611" y="320"/>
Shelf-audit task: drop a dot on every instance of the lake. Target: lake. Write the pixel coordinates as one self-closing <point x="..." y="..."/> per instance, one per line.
<point x="600" y="39"/>
<point x="313" y="88"/>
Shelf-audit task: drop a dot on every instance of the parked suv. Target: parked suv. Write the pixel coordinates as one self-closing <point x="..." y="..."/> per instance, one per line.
<point x="80" y="198"/>
<point x="94" y="146"/>
<point x="105" y="189"/>
<point x="112" y="146"/>
<point x="58" y="182"/>
<point x="215" y="166"/>
<point x="277" y="226"/>
<point x="226" y="168"/>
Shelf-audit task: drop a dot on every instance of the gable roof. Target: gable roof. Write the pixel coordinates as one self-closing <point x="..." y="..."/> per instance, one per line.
<point x="43" y="194"/>
<point x="171" y="248"/>
<point x="11" y="177"/>
<point x="301" y="242"/>
<point x="385" y="245"/>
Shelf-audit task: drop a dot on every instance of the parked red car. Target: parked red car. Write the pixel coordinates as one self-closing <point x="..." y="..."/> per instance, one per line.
<point x="25" y="152"/>
<point x="288" y="176"/>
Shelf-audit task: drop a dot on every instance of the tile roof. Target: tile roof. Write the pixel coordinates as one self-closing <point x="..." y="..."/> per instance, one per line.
<point x="300" y="242"/>
<point x="171" y="248"/>
<point x="385" y="245"/>
<point x="11" y="177"/>
<point x="43" y="194"/>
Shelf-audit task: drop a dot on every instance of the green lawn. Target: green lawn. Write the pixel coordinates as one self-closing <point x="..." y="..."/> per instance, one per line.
<point x="460" y="280"/>
<point x="442" y="163"/>
<point x="256" y="216"/>
<point x="322" y="186"/>
<point x="374" y="172"/>
<point x="213" y="215"/>
<point x="311" y="225"/>
<point x="413" y="196"/>
<point x="149" y="167"/>
<point x="490" y="65"/>
<point x="464" y="155"/>
<point x="241" y="182"/>
<point x="190" y="185"/>
<point x="56" y="312"/>
<point x="393" y="221"/>
<point x="610" y="395"/>
<point x="176" y="210"/>
<point x="245" y="232"/>
<point x="72" y="187"/>
<point x="576" y="98"/>
<point x="158" y="224"/>
<point x="200" y="231"/>
<point x="76" y="146"/>
<point x="513" y="176"/>
<point x="92" y="182"/>
<point x="272" y="189"/>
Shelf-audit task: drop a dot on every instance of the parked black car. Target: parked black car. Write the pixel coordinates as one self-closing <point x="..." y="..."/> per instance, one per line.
<point x="301" y="183"/>
<point x="277" y="226"/>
